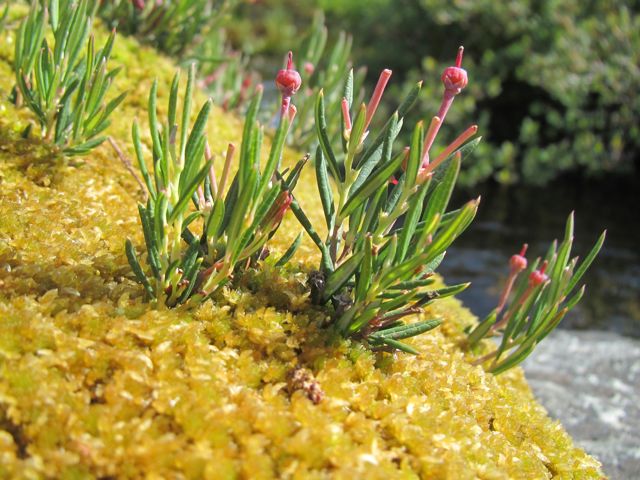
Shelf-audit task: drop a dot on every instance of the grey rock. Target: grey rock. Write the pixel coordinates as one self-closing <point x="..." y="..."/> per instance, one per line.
<point x="590" y="381"/>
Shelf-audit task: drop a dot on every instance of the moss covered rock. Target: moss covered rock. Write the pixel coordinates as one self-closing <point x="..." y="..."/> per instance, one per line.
<point x="95" y="383"/>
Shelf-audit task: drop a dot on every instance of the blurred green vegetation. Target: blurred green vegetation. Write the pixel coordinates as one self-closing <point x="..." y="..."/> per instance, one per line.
<point x="553" y="84"/>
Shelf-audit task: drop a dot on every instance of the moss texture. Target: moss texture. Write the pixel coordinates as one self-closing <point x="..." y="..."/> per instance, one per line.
<point x="94" y="383"/>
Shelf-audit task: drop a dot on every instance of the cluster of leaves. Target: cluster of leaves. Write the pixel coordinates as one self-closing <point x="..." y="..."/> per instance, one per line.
<point x="235" y="224"/>
<point x="384" y="241"/>
<point x="538" y="304"/>
<point x="65" y="85"/>
<point x="170" y="26"/>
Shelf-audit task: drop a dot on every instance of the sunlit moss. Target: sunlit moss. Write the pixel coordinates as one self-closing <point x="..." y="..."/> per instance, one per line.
<point x="94" y="383"/>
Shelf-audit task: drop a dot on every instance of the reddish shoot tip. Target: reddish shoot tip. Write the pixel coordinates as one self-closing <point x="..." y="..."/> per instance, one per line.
<point x="459" y="56"/>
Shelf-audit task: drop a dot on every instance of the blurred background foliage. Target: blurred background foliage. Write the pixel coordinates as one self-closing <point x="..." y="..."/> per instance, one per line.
<point x="553" y="84"/>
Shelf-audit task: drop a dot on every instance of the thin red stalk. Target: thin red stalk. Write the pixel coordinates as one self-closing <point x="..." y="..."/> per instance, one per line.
<point x="429" y="138"/>
<point x="453" y="146"/>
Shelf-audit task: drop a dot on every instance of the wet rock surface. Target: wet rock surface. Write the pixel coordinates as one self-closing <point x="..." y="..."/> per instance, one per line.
<point x="590" y="381"/>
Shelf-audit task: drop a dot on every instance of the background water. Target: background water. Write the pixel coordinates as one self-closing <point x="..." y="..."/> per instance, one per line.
<point x="509" y="217"/>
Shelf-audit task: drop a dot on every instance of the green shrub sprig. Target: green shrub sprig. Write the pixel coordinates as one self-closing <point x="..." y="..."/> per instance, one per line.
<point x="384" y="240"/>
<point x="235" y="222"/>
<point x="542" y="295"/>
<point x="66" y="83"/>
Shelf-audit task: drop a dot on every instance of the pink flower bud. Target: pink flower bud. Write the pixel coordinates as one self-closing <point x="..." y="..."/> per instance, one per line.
<point x="139" y="4"/>
<point x="288" y="80"/>
<point x="538" y="276"/>
<point x="518" y="262"/>
<point x="309" y="68"/>
<point x="455" y="78"/>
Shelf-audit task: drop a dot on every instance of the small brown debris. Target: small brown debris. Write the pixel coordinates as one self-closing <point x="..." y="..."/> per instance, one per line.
<point x="302" y="379"/>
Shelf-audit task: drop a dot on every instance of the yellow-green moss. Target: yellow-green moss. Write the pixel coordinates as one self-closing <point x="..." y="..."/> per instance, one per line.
<point x="93" y="383"/>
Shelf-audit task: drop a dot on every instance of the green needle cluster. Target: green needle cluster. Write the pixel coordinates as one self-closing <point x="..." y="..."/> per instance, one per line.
<point x="385" y="239"/>
<point x="183" y="191"/>
<point x="61" y="76"/>
<point x="539" y="302"/>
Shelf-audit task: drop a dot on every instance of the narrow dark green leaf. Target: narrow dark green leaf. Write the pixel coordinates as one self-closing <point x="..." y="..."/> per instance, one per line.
<point x="137" y="145"/>
<point x="326" y="196"/>
<point x="275" y="157"/>
<point x="154" y="126"/>
<point x="366" y="271"/>
<point x="186" y="194"/>
<point x="402" y="271"/>
<point x="306" y="224"/>
<point x="288" y="255"/>
<point x="323" y="138"/>
<point x="453" y="230"/>
<point x="441" y="293"/>
<point x="173" y="100"/>
<point x="410" y="223"/>
<point x="482" y="329"/>
<point x="409" y="330"/>
<point x="339" y="277"/>
<point x="439" y="199"/>
<point x="195" y="145"/>
<point x="148" y="229"/>
<point x="137" y="269"/>
<point x="399" y="346"/>
<point x="415" y="155"/>
<point x="586" y="263"/>
<point x="190" y="267"/>
<point x="379" y="177"/>
<point x="249" y="126"/>
<point x="214" y="220"/>
<point x="357" y="131"/>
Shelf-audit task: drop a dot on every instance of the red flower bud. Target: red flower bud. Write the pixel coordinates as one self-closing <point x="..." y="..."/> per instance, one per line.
<point x="538" y="276"/>
<point x="518" y="262"/>
<point x="455" y="78"/>
<point x="288" y="80"/>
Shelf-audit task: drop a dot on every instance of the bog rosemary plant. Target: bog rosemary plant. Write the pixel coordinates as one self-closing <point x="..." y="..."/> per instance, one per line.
<point x="385" y="239"/>
<point x="533" y="302"/>
<point x="235" y="216"/>
<point x="65" y="83"/>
